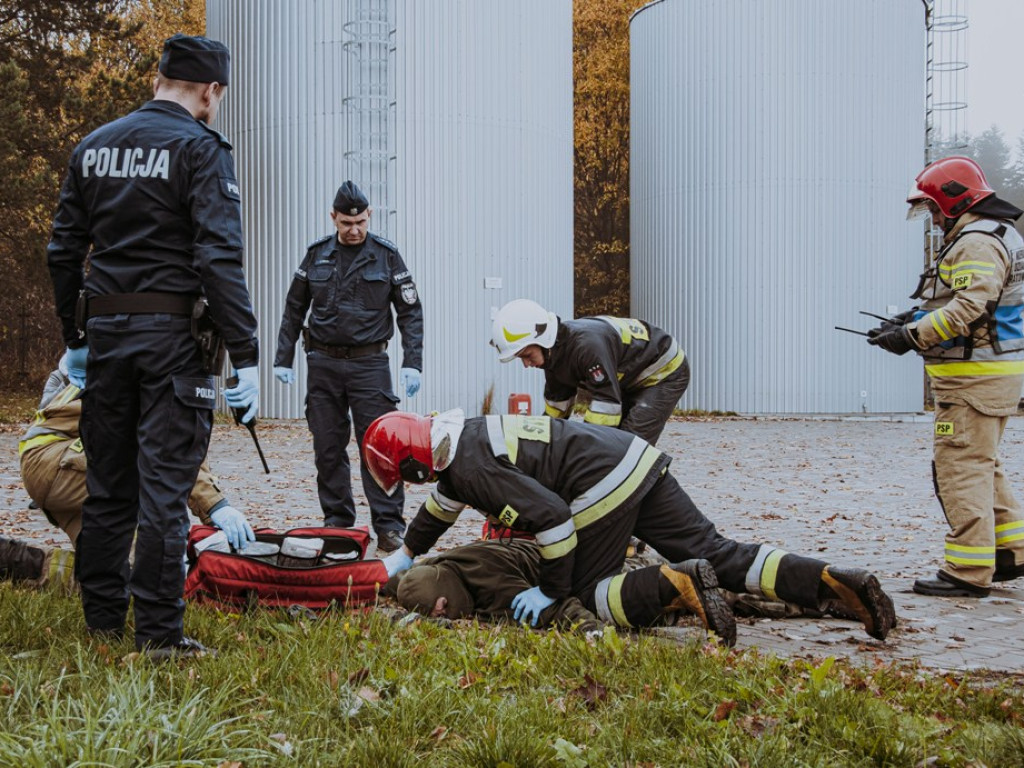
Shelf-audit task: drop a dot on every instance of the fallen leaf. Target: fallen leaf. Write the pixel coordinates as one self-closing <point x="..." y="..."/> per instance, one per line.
<point x="591" y="692"/>
<point x="723" y="709"/>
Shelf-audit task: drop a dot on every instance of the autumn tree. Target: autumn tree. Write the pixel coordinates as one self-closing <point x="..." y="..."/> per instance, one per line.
<point x="66" y="67"/>
<point x="601" y="84"/>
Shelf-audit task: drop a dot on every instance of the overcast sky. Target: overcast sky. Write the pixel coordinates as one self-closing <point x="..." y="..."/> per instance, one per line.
<point x="995" y="72"/>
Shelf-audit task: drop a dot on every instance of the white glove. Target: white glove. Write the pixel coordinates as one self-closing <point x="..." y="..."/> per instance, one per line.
<point x="398" y="561"/>
<point x="245" y="395"/>
<point x="234" y="525"/>
<point x="411" y="379"/>
<point x="530" y="603"/>
<point x="284" y="375"/>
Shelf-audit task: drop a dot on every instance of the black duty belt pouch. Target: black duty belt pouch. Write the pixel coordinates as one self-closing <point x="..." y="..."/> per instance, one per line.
<point x="211" y="345"/>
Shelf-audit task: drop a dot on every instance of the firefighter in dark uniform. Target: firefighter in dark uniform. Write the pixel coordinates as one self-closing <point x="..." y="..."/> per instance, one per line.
<point x="582" y="491"/>
<point x="632" y="372"/>
<point x="151" y="199"/>
<point x="349" y="283"/>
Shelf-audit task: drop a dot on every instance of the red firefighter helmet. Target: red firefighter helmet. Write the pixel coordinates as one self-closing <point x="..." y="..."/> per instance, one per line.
<point x="954" y="184"/>
<point x="396" y="447"/>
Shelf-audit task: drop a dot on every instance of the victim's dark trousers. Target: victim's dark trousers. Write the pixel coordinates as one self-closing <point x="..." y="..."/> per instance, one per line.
<point x="147" y="412"/>
<point x="362" y="386"/>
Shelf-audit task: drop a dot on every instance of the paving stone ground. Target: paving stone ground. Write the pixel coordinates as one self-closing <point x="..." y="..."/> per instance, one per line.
<point x="853" y="490"/>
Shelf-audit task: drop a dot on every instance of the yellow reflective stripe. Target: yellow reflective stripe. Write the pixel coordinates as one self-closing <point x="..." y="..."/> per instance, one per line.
<point x="963" y="266"/>
<point x="1008" y="532"/>
<point x="976" y="556"/>
<point x="603" y="506"/>
<point x="671" y="367"/>
<point x="559" y="548"/>
<point x="615" y="606"/>
<point x="770" y="573"/>
<point x="553" y="412"/>
<point x="442" y="514"/>
<point x="980" y="368"/>
<point x="938" y="320"/>
<point x="604" y="419"/>
<point x="39" y="440"/>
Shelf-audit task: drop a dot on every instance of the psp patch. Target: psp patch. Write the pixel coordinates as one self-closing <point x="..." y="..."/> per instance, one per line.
<point x="508" y="516"/>
<point x="962" y="281"/>
<point x="944" y="428"/>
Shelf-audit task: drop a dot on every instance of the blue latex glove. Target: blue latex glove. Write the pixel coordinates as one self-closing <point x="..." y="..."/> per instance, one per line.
<point x="398" y="561"/>
<point x="284" y="375"/>
<point x="411" y="380"/>
<point x="530" y="603"/>
<point x="74" y="361"/>
<point x="245" y="394"/>
<point x="234" y="525"/>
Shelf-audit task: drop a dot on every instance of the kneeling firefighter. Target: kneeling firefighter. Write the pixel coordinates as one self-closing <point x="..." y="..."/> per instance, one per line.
<point x="583" y="490"/>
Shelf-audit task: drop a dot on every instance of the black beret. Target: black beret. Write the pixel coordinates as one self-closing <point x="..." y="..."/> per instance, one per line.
<point x="196" y="59"/>
<point x="350" y="200"/>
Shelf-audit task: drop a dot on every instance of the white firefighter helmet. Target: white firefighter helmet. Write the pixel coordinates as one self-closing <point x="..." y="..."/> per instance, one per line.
<point x="519" y="324"/>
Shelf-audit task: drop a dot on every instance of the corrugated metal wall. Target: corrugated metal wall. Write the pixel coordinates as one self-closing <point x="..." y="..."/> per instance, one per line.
<point x="462" y="137"/>
<point x="772" y="145"/>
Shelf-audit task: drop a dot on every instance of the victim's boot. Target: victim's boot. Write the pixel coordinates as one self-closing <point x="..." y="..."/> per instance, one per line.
<point x="20" y="561"/>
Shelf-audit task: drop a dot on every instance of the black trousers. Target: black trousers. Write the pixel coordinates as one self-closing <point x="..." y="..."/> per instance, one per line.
<point x="362" y="386"/>
<point x="147" y="411"/>
<point x="669" y="521"/>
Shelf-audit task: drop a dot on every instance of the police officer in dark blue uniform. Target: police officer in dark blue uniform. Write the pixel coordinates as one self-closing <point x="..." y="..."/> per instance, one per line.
<point x="152" y="200"/>
<point x="352" y="280"/>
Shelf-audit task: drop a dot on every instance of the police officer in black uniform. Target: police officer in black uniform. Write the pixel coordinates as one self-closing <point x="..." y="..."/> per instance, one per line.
<point x="152" y="200"/>
<point x="352" y="280"/>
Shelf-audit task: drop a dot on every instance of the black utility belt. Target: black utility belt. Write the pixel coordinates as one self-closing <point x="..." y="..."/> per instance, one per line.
<point x="343" y="353"/>
<point x="141" y="304"/>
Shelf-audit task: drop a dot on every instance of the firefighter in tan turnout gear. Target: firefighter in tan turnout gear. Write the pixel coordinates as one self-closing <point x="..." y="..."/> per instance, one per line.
<point x="582" y="490"/>
<point x="969" y="332"/>
<point x="633" y="372"/>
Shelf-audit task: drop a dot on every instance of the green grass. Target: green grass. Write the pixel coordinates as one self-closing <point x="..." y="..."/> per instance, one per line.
<point x="354" y="689"/>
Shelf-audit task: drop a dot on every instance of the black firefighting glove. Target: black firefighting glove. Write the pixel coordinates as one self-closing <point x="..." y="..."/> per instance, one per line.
<point x="896" y="321"/>
<point x="897" y="340"/>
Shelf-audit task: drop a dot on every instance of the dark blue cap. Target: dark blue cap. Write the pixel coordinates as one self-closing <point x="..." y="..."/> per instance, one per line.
<point x="196" y="59"/>
<point x="350" y="200"/>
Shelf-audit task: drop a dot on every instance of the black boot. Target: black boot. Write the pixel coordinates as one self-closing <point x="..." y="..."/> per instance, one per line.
<point x="859" y="591"/>
<point x="1006" y="570"/>
<point x="693" y="586"/>
<point x="945" y="585"/>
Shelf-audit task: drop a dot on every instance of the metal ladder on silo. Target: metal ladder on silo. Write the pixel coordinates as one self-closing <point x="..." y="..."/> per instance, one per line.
<point x="368" y="47"/>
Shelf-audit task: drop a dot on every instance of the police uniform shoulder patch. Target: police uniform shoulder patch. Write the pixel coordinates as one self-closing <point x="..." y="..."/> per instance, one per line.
<point x="384" y="241"/>
<point x="321" y="241"/>
<point x="409" y="295"/>
<point x="216" y="134"/>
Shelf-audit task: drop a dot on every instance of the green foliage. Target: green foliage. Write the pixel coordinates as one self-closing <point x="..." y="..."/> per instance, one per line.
<point x="357" y="689"/>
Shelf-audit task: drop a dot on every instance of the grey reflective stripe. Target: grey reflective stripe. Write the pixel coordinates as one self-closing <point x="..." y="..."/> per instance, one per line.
<point x="496" y="436"/>
<point x="611" y="409"/>
<point x="560" y="405"/>
<point x="753" y="579"/>
<point x="36" y="431"/>
<point x="613" y="480"/>
<point x="444" y="502"/>
<point x="657" y="365"/>
<point x="554" y="535"/>
<point x="604" y="611"/>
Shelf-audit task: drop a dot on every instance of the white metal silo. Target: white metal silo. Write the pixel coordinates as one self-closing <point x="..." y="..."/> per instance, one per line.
<point x="455" y="116"/>
<point x="772" y="145"/>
